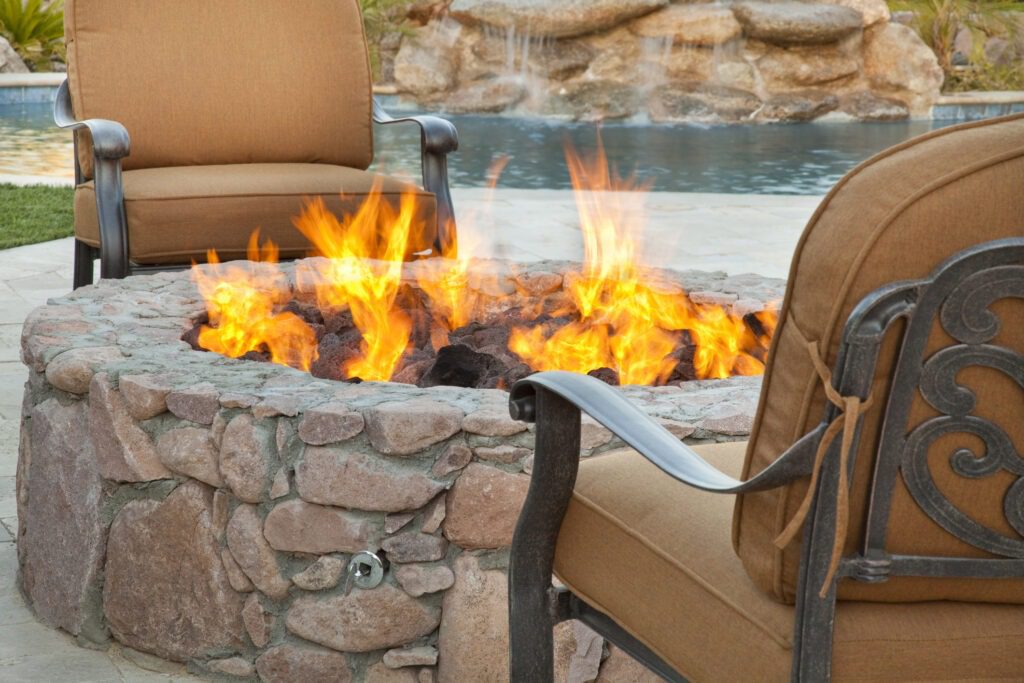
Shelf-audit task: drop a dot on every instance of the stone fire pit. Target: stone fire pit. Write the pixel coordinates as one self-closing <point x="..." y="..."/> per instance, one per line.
<point x="202" y="509"/>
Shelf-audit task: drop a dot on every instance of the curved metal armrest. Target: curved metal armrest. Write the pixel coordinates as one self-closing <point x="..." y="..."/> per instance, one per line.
<point x="110" y="144"/>
<point x="438" y="138"/>
<point x="653" y="441"/>
<point x="109" y="138"/>
<point x="437" y="135"/>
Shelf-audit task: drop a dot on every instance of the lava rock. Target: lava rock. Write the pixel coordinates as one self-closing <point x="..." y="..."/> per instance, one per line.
<point x="458" y="365"/>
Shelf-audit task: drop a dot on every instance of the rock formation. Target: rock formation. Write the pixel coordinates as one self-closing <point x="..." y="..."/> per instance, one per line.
<point x="745" y="61"/>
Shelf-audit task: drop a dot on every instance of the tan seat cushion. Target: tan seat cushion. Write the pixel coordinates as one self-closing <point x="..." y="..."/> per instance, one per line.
<point x="895" y="217"/>
<point x="224" y="82"/>
<point x="176" y="214"/>
<point x="655" y="555"/>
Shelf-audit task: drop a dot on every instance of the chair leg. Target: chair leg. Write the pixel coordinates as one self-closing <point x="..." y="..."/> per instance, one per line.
<point x="531" y="596"/>
<point x="84" y="255"/>
<point x="531" y="635"/>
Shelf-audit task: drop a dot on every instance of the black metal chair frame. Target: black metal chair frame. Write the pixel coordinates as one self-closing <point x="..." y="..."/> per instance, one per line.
<point x="958" y="293"/>
<point x="111" y="143"/>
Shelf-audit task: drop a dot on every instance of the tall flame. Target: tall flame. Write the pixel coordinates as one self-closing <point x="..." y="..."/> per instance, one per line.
<point x="241" y="302"/>
<point x="446" y="280"/>
<point x="620" y="316"/>
<point x="626" y="323"/>
<point x="363" y="271"/>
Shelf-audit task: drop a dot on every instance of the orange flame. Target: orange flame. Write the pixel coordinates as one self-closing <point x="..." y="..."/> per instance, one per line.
<point x="241" y="301"/>
<point x="446" y="280"/>
<point x="363" y="271"/>
<point x="624" y="319"/>
<point x="626" y="323"/>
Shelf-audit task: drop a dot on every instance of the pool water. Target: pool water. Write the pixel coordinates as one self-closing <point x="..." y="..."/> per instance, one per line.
<point x="800" y="158"/>
<point x="31" y="145"/>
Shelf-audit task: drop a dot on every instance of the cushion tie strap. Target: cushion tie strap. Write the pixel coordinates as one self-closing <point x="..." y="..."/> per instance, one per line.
<point x="851" y="408"/>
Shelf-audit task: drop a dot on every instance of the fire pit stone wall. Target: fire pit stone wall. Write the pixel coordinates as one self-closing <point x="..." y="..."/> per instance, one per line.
<point x="203" y="509"/>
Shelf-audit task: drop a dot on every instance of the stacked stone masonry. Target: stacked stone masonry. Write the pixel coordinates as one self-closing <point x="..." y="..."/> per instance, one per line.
<point x="203" y="509"/>
<point x="732" y="61"/>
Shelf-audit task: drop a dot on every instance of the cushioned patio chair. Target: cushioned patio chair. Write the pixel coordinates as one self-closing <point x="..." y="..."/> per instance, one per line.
<point x="236" y="112"/>
<point x="903" y="466"/>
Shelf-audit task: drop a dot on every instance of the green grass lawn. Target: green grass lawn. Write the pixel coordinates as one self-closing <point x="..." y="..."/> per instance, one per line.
<point x="35" y="213"/>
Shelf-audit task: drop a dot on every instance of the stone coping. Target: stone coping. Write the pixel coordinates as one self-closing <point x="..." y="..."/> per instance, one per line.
<point x="982" y="97"/>
<point x="134" y="326"/>
<point x="53" y="79"/>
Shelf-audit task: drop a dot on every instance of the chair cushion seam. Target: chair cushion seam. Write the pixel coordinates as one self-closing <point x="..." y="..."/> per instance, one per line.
<point x="707" y="587"/>
<point x="417" y="192"/>
<point x="1017" y="636"/>
<point x="599" y="606"/>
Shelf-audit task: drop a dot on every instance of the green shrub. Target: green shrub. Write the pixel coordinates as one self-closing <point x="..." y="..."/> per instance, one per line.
<point x="939" y="21"/>
<point x="35" y="29"/>
<point x="986" y="76"/>
<point x="380" y="18"/>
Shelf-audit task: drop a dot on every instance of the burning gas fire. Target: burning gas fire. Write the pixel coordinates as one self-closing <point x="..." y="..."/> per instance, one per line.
<point x="626" y="324"/>
<point x="362" y="272"/>
<point x="619" y="318"/>
<point x="243" y="302"/>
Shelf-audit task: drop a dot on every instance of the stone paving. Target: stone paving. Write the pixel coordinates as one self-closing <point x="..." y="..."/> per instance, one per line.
<point x="732" y="233"/>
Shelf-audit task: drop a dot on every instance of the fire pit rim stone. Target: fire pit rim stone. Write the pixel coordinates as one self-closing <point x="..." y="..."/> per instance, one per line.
<point x="154" y="348"/>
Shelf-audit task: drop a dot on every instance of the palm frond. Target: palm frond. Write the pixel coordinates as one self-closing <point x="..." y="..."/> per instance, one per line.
<point x="34" y="28"/>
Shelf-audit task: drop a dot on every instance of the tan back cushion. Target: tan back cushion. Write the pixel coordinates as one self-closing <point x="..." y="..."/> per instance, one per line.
<point x="895" y="217"/>
<point x="223" y="81"/>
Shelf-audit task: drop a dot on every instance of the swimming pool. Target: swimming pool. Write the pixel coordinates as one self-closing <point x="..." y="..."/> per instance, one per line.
<point x="801" y="158"/>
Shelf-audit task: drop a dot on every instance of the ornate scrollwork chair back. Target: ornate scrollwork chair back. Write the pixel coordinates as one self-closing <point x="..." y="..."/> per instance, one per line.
<point x="877" y="511"/>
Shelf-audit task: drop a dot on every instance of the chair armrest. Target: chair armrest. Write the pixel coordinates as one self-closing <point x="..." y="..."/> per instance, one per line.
<point x="109" y="138"/>
<point x="437" y="135"/>
<point x="653" y="441"/>
<point x="110" y="144"/>
<point x="438" y="138"/>
<point x="554" y="401"/>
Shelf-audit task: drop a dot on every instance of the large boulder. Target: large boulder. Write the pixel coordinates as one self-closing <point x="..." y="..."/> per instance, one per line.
<point x="703" y="102"/>
<point x="898" y="63"/>
<point x="797" y="23"/>
<point x="867" y="106"/>
<point x="689" y="63"/>
<point x="600" y="100"/>
<point x="689" y="24"/>
<point x="495" y="54"/>
<point x="617" y="57"/>
<point x="786" y="68"/>
<point x="487" y="96"/>
<point x="551" y="18"/>
<point x="64" y="534"/>
<point x="805" y="105"/>
<point x="427" y="62"/>
<point x="871" y="11"/>
<point x="10" y="61"/>
<point x="166" y="590"/>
